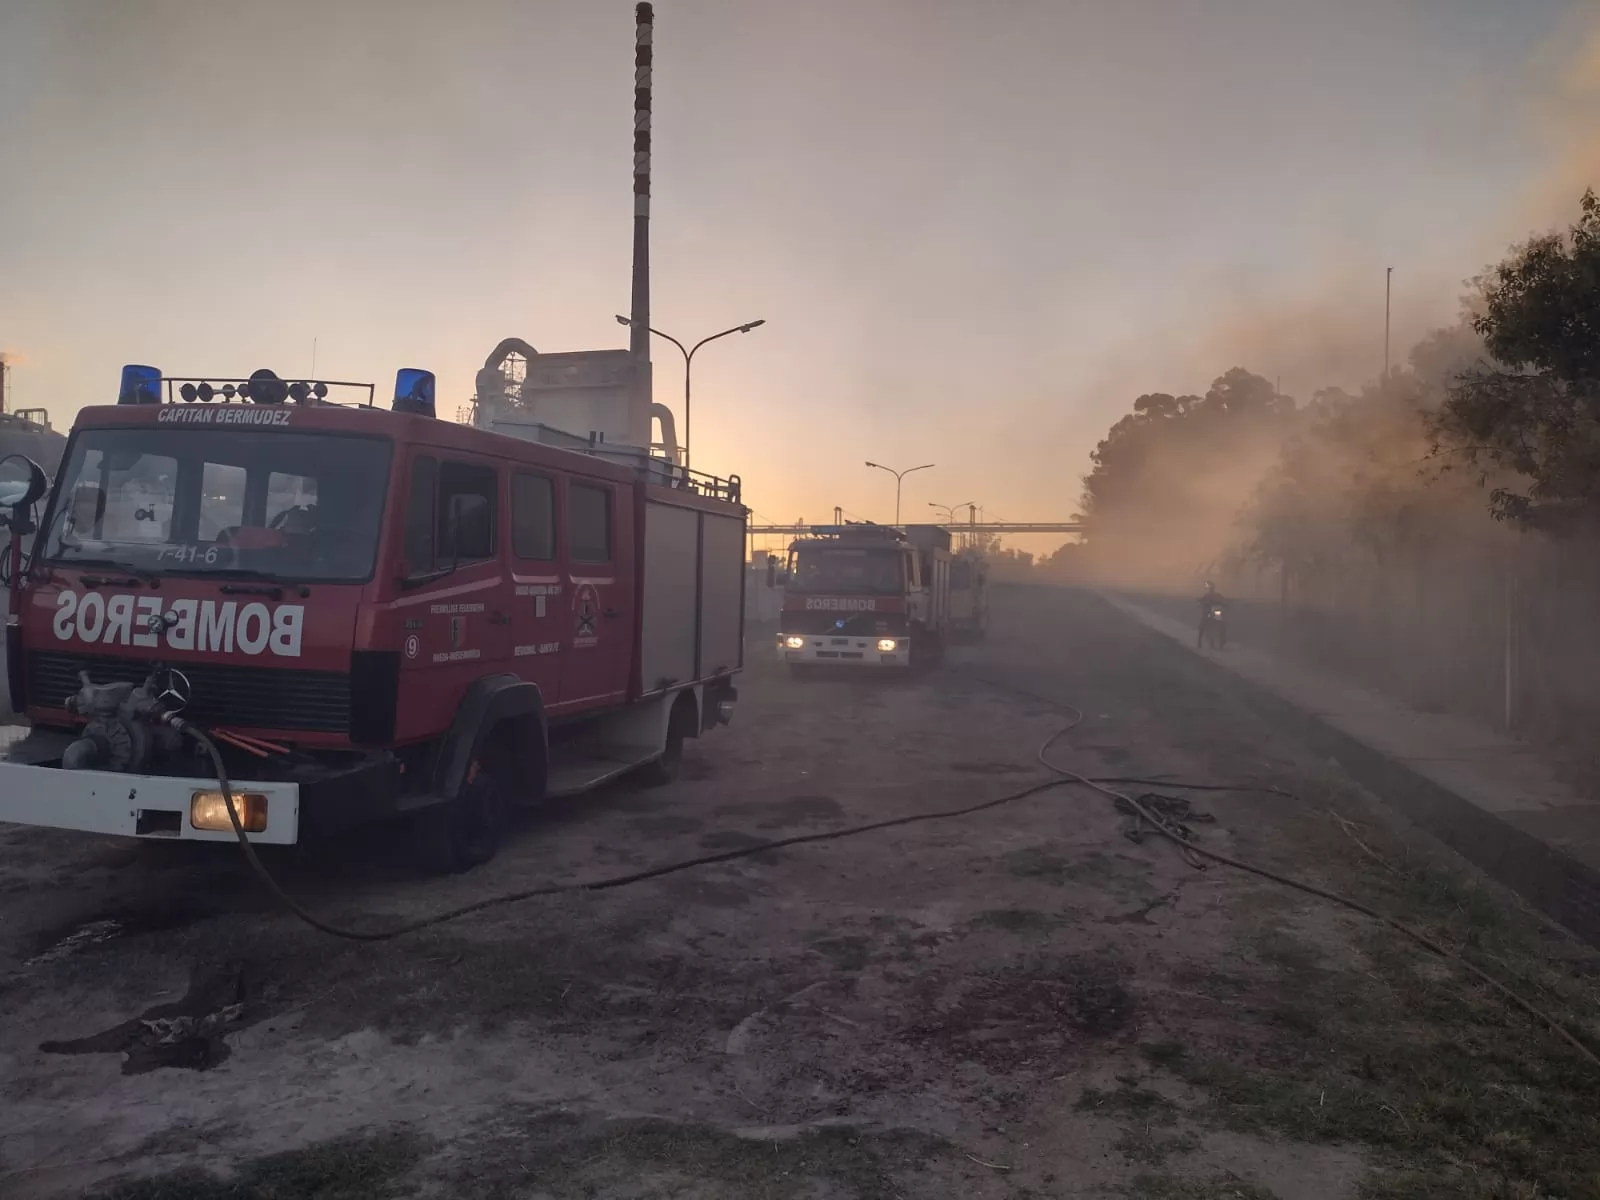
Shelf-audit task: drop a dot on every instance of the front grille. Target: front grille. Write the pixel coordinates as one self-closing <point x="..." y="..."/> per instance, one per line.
<point x="238" y="697"/>
<point x="866" y="624"/>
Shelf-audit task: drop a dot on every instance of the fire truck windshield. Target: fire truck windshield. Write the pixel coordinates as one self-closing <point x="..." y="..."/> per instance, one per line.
<point x="848" y="570"/>
<point x="290" y="506"/>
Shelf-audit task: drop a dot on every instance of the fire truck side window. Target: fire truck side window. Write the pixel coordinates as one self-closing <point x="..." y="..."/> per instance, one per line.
<point x="533" y="517"/>
<point x="466" y="512"/>
<point x="589" y="523"/>
<point x="420" y="516"/>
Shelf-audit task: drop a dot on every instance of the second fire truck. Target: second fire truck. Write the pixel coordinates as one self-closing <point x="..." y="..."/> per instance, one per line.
<point x="866" y="596"/>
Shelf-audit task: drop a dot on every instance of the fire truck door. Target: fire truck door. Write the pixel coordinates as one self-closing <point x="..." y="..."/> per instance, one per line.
<point x="456" y="620"/>
<point x="538" y="605"/>
<point x="597" y="596"/>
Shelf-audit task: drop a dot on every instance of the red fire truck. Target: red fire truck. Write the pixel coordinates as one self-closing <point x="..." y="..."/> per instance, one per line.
<point x="866" y="595"/>
<point x="369" y="611"/>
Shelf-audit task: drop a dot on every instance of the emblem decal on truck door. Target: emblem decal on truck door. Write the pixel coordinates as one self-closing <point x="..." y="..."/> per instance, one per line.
<point x="586" y="607"/>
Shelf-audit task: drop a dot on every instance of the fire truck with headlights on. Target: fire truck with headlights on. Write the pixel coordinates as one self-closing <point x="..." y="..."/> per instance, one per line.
<point x="863" y="595"/>
<point x="367" y="611"/>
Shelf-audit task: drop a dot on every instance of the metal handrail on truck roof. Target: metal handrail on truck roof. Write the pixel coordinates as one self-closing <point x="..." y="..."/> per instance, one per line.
<point x="206" y="389"/>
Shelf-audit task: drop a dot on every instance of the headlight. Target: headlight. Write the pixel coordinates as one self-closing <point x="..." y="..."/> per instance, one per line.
<point x="794" y="643"/>
<point x="208" y="810"/>
<point x="887" y="646"/>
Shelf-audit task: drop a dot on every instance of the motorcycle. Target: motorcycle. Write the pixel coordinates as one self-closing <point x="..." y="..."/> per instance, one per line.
<point x="1213" y="627"/>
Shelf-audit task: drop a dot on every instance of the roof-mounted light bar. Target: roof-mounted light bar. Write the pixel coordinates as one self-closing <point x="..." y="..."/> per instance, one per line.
<point x="142" y="385"/>
<point x="863" y="529"/>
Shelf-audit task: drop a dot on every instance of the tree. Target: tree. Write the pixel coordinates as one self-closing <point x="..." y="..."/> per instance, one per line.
<point x="1169" y="478"/>
<point x="1534" y="411"/>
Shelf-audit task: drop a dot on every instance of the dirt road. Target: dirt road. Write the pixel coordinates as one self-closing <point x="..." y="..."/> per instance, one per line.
<point x="1025" y="1002"/>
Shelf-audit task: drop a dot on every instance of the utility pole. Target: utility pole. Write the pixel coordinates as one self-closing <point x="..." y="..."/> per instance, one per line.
<point x="639" y="308"/>
<point x="1388" y="287"/>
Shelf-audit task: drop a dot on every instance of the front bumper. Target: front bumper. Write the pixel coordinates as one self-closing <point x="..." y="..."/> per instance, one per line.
<point x="155" y="807"/>
<point x="825" y="650"/>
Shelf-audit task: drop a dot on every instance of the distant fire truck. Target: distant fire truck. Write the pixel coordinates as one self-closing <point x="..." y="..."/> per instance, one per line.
<point x="866" y="595"/>
<point x="368" y="612"/>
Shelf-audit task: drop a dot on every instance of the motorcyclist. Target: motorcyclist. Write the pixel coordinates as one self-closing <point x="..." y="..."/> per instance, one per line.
<point x="1209" y="599"/>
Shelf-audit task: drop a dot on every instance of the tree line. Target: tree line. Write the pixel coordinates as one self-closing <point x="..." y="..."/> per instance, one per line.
<point x="1496" y="416"/>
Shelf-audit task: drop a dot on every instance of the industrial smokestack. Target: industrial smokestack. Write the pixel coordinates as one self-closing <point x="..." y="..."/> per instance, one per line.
<point x="639" y="329"/>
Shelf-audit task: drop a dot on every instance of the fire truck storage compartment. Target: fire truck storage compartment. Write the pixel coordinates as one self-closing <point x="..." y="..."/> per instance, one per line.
<point x="692" y="626"/>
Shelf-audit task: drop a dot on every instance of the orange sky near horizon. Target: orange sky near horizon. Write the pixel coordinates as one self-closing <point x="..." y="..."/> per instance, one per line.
<point x="976" y="231"/>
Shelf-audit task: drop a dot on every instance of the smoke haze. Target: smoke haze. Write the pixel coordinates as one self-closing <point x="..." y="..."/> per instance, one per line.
<point x="977" y="233"/>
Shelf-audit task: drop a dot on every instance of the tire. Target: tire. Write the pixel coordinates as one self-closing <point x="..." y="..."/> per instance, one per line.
<point x="659" y="772"/>
<point x="466" y="831"/>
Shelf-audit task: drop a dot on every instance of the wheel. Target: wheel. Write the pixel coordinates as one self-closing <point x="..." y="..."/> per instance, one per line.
<point x="466" y="832"/>
<point x="659" y="772"/>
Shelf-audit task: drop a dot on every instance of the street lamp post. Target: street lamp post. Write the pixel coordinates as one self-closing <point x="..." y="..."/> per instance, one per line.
<point x="950" y="512"/>
<point x="950" y="509"/>
<point x="688" y="361"/>
<point x="898" y="476"/>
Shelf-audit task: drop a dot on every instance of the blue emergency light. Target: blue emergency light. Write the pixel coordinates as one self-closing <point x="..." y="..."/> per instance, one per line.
<point x="140" y="385"/>
<point x="413" y="392"/>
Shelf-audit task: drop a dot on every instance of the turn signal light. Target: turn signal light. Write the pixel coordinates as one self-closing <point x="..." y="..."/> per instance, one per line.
<point x="209" y="810"/>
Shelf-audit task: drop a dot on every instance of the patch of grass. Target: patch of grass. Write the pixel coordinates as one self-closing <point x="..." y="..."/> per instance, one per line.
<point x="847" y="952"/>
<point x="563" y="1155"/>
<point x="1218" y="1187"/>
<point x="1453" y="894"/>
<point x="1450" y="1083"/>
<point x="1459" y="1094"/>
<point x="1144" y="1146"/>
<point x="1145" y="1112"/>
<point x="566" y="979"/>
<point x="359" y="1167"/>
<point x="1128" y="1100"/>
<point x="1163" y="1054"/>
<point x="1037" y="863"/>
<point x="1016" y="920"/>
<point x="1041" y="1009"/>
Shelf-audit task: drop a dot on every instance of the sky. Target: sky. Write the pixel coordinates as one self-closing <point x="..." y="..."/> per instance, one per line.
<point x="976" y="231"/>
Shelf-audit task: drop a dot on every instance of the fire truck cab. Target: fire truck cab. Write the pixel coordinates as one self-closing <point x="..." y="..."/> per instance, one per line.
<point x="369" y="611"/>
<point x="867" y="596"/>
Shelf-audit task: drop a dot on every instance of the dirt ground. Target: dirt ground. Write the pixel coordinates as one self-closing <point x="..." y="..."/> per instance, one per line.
<point x="1023" y="1002"/>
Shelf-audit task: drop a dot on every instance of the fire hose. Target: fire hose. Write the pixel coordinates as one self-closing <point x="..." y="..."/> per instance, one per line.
<point x="1141" y="807"/>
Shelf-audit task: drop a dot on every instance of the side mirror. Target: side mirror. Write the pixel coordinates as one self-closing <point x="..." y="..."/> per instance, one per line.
<point x="22" y="481"/>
